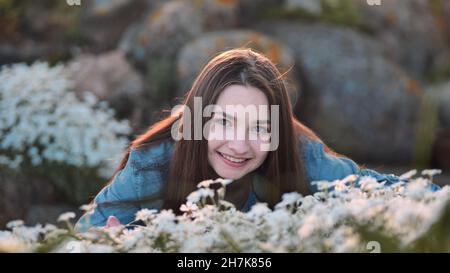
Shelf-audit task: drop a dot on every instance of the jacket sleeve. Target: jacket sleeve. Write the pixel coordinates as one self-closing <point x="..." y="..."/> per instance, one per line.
<point x="323" y="166"/>
<point x="120" y="198"/>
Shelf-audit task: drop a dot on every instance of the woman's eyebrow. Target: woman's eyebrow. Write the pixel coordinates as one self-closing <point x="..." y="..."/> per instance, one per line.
<point x="224" y="114"/>
<point x="228" y="116"/>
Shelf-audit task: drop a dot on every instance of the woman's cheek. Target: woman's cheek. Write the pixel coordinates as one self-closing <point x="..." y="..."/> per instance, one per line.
<point x="216" y="133"/>
<point x="260" y="155"/>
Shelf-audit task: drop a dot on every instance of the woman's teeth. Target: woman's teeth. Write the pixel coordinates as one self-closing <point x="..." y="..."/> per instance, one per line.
<point x="233" y="159"/>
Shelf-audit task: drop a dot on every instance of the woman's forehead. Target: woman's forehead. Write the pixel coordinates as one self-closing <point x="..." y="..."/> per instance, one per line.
<point x="241" y="95"/>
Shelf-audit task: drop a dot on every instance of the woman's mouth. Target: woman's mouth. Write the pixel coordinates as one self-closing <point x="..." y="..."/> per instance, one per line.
<point x="233" y="161"/>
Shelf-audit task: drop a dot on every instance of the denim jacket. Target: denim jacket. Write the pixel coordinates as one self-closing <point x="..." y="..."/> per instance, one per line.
<point x="144" y="175"/>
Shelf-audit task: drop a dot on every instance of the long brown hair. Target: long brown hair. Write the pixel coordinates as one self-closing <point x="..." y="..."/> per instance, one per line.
<point x="282" y="171"/>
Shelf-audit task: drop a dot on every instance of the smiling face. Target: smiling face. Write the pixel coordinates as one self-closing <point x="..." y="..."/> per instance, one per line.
<point x="230" y="153"/>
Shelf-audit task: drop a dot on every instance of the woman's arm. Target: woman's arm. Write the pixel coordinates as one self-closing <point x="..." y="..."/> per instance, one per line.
<point x="109" y="200"/>
<point x="120" y="198"/>
<point x="323" y="166"/>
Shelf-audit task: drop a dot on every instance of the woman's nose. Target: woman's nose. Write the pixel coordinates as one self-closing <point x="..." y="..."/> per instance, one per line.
<point x="239" y="147"/>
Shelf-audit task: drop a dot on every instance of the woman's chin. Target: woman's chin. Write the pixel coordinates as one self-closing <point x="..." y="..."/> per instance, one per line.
<point x="230" y="175"/>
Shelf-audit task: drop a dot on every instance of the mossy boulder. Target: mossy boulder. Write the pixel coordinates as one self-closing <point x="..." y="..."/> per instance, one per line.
<point x="354" y="96"/>
<point x="197" y="53"/>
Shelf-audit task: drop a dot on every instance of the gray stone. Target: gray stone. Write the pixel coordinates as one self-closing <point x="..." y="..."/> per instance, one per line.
<point x="103" y="22"/>
<point x="111" y="78"/>
<point x="440" y="156"/>
<point x="217" y="14"/>
<point x="440" y="150"/>
<point x="354" y="97"/>
<point x="197" y="53"/>
<point x="408" y="30"/>
<point x="162" y="32"/>
<point x="43" y="213"/>
<point x="19" y="191"/>
<point x="310" y="6"/>
<point x="251" y="11"/>
<point x="446" y="17"/>
<point x="440" y="94"/>
<point x="104" y="7"/>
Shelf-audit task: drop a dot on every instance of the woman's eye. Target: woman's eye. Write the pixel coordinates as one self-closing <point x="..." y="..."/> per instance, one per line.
<point x="224" y="122"/>
<point x="261" y="129"/>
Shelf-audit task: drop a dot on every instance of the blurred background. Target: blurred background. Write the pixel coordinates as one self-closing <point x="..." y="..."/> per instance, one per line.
<point x="79" y="79"/>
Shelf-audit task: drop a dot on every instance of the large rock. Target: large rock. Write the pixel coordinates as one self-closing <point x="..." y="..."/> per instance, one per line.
<point x="444" y="109"/>
<point x="103" y="22"/>
<point x="197" y="53"/>
<point x="161" y="32"/>
<point x="251" y="11"/>
<point x="164" y="30"/>
<point x="446" y="17"/>
<point x="111" y="78"/>
<point x="411" y="32"/>
<point x="45" y="213"/>
<point x="440" y="150"/>
<point x="19" y="192"/>
<point x="217" y="14"/>
<point x="440" y="94"/>
<point x="25" y="51"/>
<point x="103" y="8"/>
<point x="361" y="103"/>
<point x="310" y="6"/>
<point x="414" y="44"/>
<point x="32" y="198"/>
<point x="153" y="43"/>
<point x="30" y="30"/>
<point x="440" y="155"/>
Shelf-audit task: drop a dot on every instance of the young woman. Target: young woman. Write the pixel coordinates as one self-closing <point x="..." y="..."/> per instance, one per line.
<point x="159" y="169"/>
